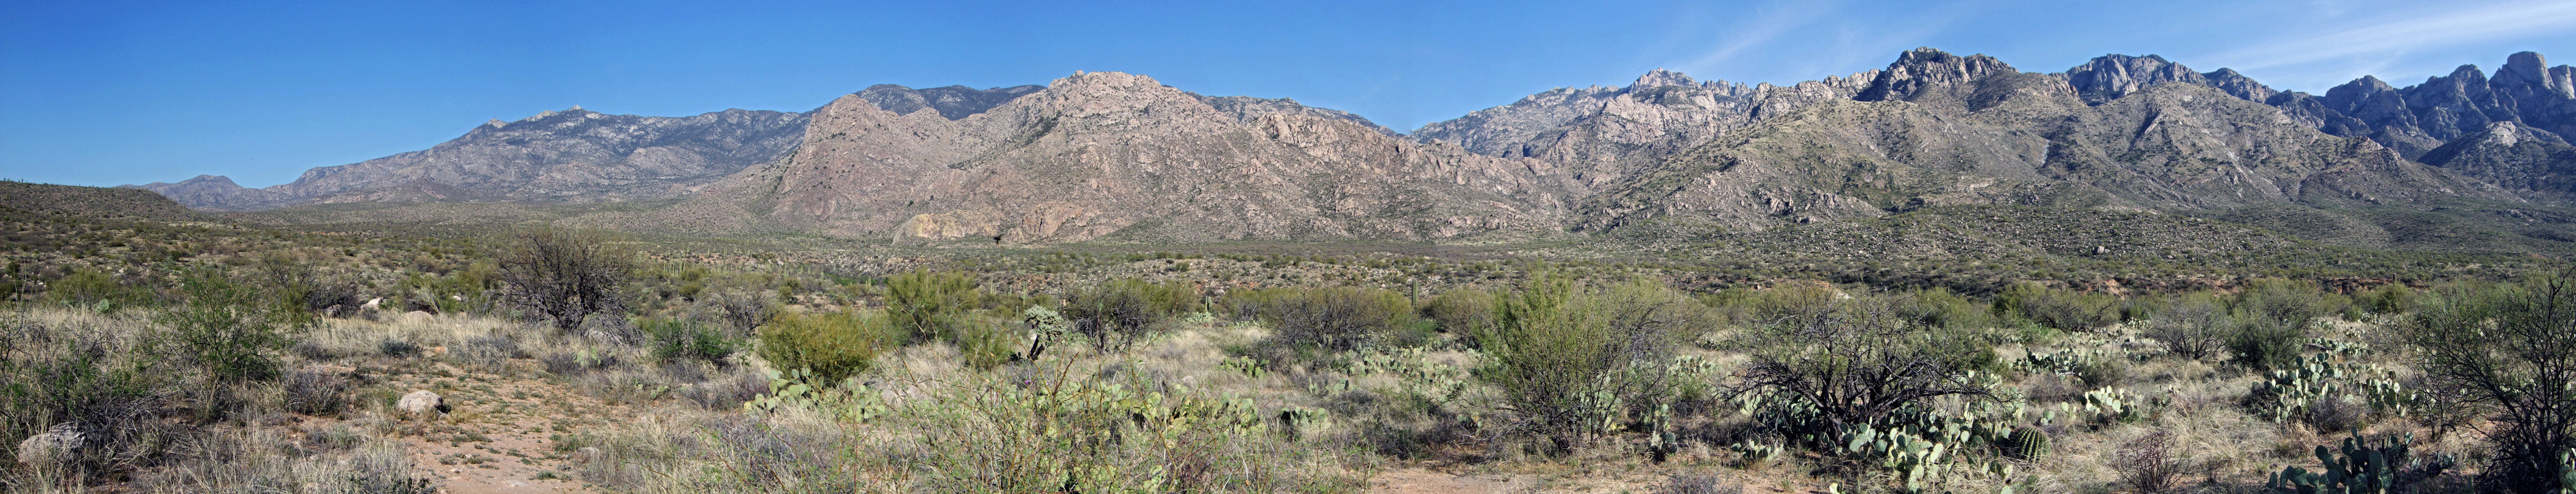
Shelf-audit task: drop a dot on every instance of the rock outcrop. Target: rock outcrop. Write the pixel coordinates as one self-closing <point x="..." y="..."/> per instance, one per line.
<point x="2538" y="165"/>
<point x="421" y="404"/>
<point x="2136" y="133"/>
<point x="57" y="444"/>
<point x="1123" y="158"/>
<point x="1105" y="153"/>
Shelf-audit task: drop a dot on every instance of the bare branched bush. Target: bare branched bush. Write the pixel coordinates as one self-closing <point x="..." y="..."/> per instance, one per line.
<point x="1856" y="361"/>
<point x="1698" y="483"/>
<point x="1332" y="319"/>
<point x="316" y="393"/>
<point x="564" y="276"/>
<point x="2194" y="328"/>
<point x="1118" y="314"/>
<point x="2512" y="349"/>
<point x="2148" y="463"/>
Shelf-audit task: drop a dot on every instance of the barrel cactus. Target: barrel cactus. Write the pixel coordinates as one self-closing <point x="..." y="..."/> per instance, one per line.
<point x="2026" y="444"/>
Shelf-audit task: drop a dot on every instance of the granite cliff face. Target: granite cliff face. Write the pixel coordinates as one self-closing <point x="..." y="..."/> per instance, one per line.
<point x="2538" y="164"/>
<point x="1120" y="157"/>
<point x="1102" y="154"/>
<point x="1933" y="129"/>
<point x="1603" y="135"/>
<point x="574" y="155"/>
<point x="2415" y="119"/>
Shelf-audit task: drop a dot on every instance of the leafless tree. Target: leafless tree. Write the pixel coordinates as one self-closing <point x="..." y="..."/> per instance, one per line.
<point x="564" y="276"/>
<point x="2512" y="350"/>
<point x="1856" y="361"/>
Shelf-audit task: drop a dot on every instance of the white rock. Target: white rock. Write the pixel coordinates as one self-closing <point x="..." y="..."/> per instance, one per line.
<point x="56" y="444"/>
<point x="420" y="403"/>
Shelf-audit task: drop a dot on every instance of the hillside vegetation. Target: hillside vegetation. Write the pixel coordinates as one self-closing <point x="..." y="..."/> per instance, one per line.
<point x="1946" y="349"/>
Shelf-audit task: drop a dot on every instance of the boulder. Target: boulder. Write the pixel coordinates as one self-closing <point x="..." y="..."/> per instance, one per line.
<point x="58" y="443"/>
<point x="421" y="403"/>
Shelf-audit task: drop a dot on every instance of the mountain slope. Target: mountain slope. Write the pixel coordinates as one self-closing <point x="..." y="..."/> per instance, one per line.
<point x="1938" y="129"/>
<point x="92" y="202"/>
<point x="2537" y="164"/>
<point x="1107" y="153"/>
<point x="571" y="156"/>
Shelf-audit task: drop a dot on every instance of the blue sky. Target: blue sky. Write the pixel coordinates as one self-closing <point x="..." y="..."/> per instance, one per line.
<point x="112" y="92"/>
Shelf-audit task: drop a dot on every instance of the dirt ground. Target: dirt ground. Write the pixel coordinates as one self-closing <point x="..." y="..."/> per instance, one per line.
<point x="499" y="434"/>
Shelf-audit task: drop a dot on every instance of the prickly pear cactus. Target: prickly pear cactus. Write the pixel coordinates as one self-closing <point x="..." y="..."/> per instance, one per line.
<point x="2363" y="466"/>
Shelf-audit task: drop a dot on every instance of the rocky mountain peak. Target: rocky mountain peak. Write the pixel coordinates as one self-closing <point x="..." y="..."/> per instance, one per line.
<point x="2238" y="85"/>
<point x="2109" y="77"/>
<point x="2528" y="75"/>
<point x="952" y="102"/>
<point x="1247" y="109"/>
<point x="1661" y="77"/>
<point x="1924" y="70"/>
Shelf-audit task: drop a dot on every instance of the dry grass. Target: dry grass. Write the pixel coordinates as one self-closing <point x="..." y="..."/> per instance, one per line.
<point x="628" y="422"/>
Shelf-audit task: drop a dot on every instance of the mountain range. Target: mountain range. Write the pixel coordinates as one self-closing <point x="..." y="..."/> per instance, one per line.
<point x="1120" y="157"/>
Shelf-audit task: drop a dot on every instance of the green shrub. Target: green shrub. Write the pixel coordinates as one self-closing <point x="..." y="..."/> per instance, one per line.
<point x="2272" y="318"/>
<point x="1461" y="311"/>
<point x="831" y="345"/>
<point x="2388" y="299"/>
<point x="1574" y="363"/>
<point x="2193" y="327"/>
<point x="683" y="339"/>
<point x="2265" y="344"/>
<point x="1118" y="314"/>
<point x="1086" y="433"/>
<point x="89" y="287"/>
<point x="2511" y="351"/>
<point x="987" y="341"/>
<point x="225" y="328"/>
<point x="1330" y="319"/>
<point x="2287" y="302"/>
<point x="2065" y="310"/>
<point x="923" y="304"/>
<point x="1939" y="308"/>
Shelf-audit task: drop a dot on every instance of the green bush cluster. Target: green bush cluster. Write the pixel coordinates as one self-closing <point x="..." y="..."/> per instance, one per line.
<point x="682" y="339"/>
<point x="1575" y="362"/>
<point x="925" y="304"/>
<point x="1118" y="314"/>
<point x="2273" y="317"/>
<point x="2061" y="309"/>
<point x="1330" y="319"/>
<point x="832" y="345"/>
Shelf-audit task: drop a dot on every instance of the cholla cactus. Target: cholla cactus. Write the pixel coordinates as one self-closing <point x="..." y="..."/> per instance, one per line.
<point x="1045" y="328"/>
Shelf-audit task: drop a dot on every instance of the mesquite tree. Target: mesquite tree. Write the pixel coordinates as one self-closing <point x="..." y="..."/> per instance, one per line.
<point x="1855" y="360"/>
<point x="2511" y="351"/>
<point x="564" y="276"/>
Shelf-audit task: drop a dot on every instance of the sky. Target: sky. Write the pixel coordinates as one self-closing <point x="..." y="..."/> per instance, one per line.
<point x="115" y="92"/>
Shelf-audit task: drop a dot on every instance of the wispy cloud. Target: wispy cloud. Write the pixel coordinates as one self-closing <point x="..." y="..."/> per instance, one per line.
<point x="2459" y="26"/>
<point x="1777" y="19"/>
